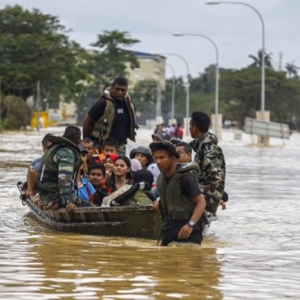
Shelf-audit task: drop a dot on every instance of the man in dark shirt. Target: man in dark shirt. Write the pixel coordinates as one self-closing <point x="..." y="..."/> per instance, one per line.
<point x="181" y="201"/>
<point x="113" y="116"/>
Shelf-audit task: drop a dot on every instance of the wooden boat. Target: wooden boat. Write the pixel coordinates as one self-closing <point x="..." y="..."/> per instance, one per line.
<point x="127" y="221"/>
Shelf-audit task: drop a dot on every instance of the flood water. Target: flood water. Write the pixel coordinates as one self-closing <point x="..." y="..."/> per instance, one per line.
<point x="251" y="252"/>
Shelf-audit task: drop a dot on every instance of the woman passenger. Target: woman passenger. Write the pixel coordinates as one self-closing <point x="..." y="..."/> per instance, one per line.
<point x="120" y="176"/>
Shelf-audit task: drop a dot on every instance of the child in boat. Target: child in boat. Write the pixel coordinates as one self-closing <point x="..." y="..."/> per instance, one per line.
<point x="108" y="163"/>
<point x="84" y="188"/>
<point x="120" y="176"/>
<point x="96" y="174"/>
<point x="110" y="146"/>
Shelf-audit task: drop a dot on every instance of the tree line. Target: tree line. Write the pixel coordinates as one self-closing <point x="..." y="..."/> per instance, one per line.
<point x="37" y="57"/>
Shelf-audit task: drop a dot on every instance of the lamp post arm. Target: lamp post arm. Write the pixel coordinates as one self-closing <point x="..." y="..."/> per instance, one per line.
<point x="262" y="50"/>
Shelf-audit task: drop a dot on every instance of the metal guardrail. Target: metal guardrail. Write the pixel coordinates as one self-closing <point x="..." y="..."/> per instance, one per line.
<point x="269" y="129"/>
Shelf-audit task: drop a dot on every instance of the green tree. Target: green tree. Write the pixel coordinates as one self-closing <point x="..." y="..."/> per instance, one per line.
<point x="257" y="60"/>
<point x="144" y="96"/>
<point x="292" y="70"/>
<point x="110" y="58"/>
<point x="240" y="95"/>
<point x="108" y="61"/>
<point x="35" y="47"/>
<point x="15" y="112"/>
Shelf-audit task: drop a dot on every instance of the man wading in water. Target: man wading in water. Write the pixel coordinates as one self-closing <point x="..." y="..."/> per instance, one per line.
<point x="181" y="201"/>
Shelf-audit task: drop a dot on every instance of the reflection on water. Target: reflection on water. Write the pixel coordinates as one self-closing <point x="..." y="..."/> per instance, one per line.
<point x="252" y="251"/>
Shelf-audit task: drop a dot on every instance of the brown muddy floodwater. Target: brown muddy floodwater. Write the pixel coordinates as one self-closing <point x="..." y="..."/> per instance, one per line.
<point x="251" y="252"/>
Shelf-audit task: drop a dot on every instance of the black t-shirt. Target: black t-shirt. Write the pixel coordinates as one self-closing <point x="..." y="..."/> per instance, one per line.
<point x="120" y="126"/>
<point x="189" y="185"/>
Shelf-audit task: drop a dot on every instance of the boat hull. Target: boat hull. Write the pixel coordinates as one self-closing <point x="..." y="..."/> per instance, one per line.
<point x="126" y="221"/>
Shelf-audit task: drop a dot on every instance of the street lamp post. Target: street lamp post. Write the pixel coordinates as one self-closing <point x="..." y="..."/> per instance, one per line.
<point x="173" y="93"/>
<point x="187" y="86"/>
<point x="263" y="49"/>
<point x="216" y="73"/>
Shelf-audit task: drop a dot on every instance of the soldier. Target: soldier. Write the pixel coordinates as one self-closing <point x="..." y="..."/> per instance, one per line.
<point x="209" y="156"/>
<point x="57" y="172"/>
<point x="112" y="116"/>
<point x="181" y="201"/>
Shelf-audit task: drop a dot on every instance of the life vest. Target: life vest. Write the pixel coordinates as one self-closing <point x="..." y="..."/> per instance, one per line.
<point x="102" y="128"/>
<point x="173" y="204"/>
<point x="47" y="181"/>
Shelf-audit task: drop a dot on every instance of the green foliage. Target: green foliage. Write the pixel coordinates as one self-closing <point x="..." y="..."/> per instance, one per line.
<point x="144" y="97"/>
<point x="16" y="113"/>
<point x="257" y="61"/>
<point x="110" y="59"/>
<point x="240" y="95"/>
<point x="35" y="47"/>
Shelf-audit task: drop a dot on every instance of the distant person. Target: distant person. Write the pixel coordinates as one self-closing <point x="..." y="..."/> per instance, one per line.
<point x="112" y="116"/>
<point x="181" y="201"/>
<point x="160" y="135"/>
<point x="59" y="165"/>
<point x="210" y="158"/>
<point x="159" y="127"/>
<point x="108" y="163"/>
<point x="179" y="132"/>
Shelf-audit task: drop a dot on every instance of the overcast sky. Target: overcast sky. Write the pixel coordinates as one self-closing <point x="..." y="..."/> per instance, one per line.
<point x="235" y="29"/>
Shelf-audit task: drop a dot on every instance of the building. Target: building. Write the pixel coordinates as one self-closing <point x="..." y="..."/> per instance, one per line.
<point x="151" y="67"/>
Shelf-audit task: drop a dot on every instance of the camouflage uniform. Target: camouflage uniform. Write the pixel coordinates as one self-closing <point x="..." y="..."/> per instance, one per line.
<point x="64" y="158"/>
<point x="212" y="171"/>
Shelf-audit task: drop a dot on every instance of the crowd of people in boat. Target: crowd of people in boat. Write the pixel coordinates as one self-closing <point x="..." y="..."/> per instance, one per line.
<point x="95" y="171"/>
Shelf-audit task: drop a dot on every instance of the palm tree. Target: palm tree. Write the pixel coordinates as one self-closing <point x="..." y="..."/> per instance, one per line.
<point x="258" y="60"/>
<point x="291" y="69"/>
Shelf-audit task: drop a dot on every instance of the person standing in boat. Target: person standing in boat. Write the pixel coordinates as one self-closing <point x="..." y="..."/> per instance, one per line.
<point x="57" y="172"/>
<point x="112" y="116"/>
<point x="181" y="201"/>
<point x="210" y="158"/>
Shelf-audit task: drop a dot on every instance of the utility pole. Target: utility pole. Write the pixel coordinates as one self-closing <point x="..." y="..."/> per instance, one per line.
<point x="0" y="106"/>
<point x="38" y="105"/>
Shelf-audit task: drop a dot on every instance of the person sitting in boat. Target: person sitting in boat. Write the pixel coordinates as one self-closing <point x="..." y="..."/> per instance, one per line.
<point x="96" y="174"/>
<point x="120" y="176"/>
<point x="110" y="146"/>
<point x="84" y="188"/>
<point x="32" y="172"/>
<point x="89" y="146"/>
<point x="137" y="193"/>
<point x="57" y="172"/>
<point x="135" y="165"/>
<point x="108" y="163"/>
<point x="143" y="154"/>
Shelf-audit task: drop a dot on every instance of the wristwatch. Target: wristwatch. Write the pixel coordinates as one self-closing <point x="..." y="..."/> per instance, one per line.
<point x="191" y="223"/>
